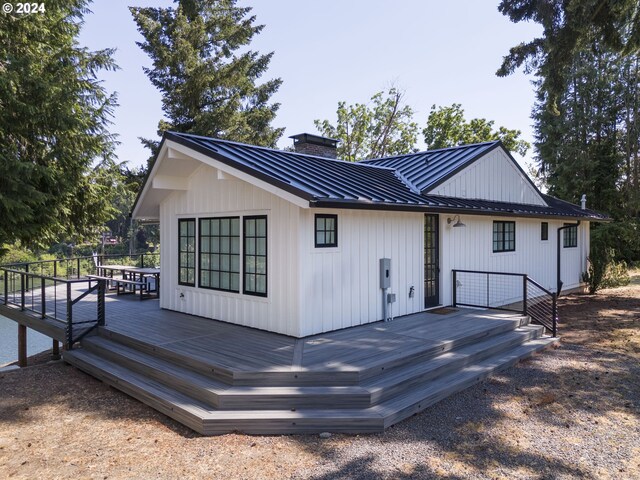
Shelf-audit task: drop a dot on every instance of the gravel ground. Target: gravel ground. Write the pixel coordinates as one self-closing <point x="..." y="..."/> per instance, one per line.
<point x="572" y="412"/>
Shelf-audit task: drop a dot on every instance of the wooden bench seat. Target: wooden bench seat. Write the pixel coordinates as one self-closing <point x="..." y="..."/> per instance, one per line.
<point x="122" y="283"/>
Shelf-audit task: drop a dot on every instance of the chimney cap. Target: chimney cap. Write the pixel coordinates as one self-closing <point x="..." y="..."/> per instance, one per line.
<point x="315" y="140"/>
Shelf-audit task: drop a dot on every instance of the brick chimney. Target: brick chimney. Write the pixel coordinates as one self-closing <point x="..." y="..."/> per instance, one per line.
<point x="315" y="145"/>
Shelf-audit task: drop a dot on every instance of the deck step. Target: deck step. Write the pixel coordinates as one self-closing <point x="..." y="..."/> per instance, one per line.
<point x="207" y="421"/>
<point x="172" y="403"/>
<point x="217" y="394"/>
<point x="394" y="381"/>
<point x="210" y="421"/>
<point x="427" y="352"/>
<point x="189" y="382"/>
<point x="416" y="400"/>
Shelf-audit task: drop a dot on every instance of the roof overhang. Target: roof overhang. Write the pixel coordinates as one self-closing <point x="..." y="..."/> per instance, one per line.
<point x="176" y="163"/>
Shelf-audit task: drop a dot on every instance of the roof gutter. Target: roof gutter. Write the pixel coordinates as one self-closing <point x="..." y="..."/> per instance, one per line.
<point x="408" y="207"/>
<point x="558" y="250"/>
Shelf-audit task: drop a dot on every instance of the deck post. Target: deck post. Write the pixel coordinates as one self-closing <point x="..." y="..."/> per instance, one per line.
<point x="55" y="350"/>
<point x="78" y="266"/>
<point x="554" y="314"/>
<point x="69" y="345"/>
<point x="42" y="302"/>
<point x="454" y="290"/>
<point x="6" y="287"/>
<point x="524" y="295"/>
<point x="55" y="268"/>
<point x="102" y="286"/>
<point x="142" y="260"/>
<point x="22" y="291"/>
<point x="26" y="269"/>
<point x="22" y="345"/>
<point x="487" y="290"/>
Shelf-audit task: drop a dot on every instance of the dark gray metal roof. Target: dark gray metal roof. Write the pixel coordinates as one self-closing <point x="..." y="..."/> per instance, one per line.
<point x="309" y="176"/>
<point x="392" y="183"/>
<point x="427" y="169"/>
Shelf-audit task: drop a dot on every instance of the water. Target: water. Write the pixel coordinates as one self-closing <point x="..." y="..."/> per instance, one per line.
<point x="36" y="342"/>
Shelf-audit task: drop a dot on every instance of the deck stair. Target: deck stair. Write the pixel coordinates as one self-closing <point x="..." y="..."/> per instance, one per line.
<point x="338" y="396"/>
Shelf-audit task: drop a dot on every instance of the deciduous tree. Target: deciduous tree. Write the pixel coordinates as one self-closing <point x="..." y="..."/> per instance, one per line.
<point x="447" y="127"/>
<point x="381" y="128"/>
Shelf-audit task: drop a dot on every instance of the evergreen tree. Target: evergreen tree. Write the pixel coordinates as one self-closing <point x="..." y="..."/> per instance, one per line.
<point x="207" y="78"/>
<point x="569" y="26"/>
<point x="447" y="127"/>
<point x="54" y="118"/>
<point x="592" y="146"/>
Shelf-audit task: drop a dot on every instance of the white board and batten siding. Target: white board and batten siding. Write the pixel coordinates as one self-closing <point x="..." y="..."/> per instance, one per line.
<point x="492" y="177"/>
<point x="340" y="286"/>
<point x="210" y="196"/>
<point x="471" y="248"/>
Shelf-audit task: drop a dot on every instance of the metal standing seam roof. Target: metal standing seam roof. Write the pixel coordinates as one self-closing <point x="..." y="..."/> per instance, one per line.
<point x="427" y="169"/>
<point x="317" y="177"/>
<point x="387" y="183"/>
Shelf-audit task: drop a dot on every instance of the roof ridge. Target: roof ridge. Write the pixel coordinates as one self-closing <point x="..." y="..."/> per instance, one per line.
<point x="286" y="152"/>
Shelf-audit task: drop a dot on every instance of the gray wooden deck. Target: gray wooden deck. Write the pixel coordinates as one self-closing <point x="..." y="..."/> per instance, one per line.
<point x="243" y="349"/>
<point x="216" y="377"/>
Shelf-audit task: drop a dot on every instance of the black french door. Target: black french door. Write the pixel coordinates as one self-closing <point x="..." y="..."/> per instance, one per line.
<point x="431" y="260"/>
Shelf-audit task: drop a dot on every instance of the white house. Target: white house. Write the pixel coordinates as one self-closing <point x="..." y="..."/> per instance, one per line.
<point x="291" y="242"/>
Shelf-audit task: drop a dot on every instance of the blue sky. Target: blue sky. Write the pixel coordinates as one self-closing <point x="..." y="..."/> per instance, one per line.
<point x="439" y="52"/>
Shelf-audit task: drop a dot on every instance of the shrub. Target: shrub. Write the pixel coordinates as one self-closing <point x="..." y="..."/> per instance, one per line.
<point x="605" y="272"/>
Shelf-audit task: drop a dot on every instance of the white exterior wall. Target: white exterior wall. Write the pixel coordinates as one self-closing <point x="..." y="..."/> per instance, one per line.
<point x="340" y="287"/>
<point x="209" y="196"/>
<point x="471" y="248"/>
<point x="492" y="177"/>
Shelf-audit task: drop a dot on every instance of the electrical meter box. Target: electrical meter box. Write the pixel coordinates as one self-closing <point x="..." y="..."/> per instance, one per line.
<point x="385" y="273"/>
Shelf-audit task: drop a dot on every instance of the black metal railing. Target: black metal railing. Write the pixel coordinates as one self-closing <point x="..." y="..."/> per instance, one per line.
<point x="514" y="292"/>
<point x="80" y="267"/>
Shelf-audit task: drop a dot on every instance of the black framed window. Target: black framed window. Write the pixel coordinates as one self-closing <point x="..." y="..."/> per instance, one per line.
<point x="504" y="236"/>
<point x="544" y="231"/>
<point x="219" y="262"/>
<point x="326" y="230"/>
<point x="255" y="255"/>
<point x="187" y="251"/>
<point x="570" y="239"/>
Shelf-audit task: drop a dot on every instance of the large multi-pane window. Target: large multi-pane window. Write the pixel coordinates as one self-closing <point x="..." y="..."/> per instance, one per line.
<point x="220" y="253"/>
<point x="504" y="236"/>
<point x="326" y="230"/>
<point x="570" y="236"/>
<point x="187" y="251"/>
<point x="255" y="255"/>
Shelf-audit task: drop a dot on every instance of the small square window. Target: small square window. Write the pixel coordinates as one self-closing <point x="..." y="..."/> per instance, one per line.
<point x="326" y="230"/>
<point x="504" y="236"/>
<point x="544" y="231"/>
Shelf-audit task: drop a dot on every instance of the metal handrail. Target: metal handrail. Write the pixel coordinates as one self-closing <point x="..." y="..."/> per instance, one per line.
<point x="27" y="278"/>
<point x="530" y="305"/>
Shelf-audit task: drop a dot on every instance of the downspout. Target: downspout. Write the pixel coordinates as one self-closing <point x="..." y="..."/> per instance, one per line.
<point x="558" y="281"/>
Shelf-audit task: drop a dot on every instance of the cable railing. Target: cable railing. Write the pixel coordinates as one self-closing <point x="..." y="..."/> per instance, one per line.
<point x="514" y="292"/>
<point x="61" y="291"/>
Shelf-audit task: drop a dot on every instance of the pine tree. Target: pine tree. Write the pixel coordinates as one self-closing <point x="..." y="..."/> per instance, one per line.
<point x="207" y="77"/>
<point x="54" y="118"/>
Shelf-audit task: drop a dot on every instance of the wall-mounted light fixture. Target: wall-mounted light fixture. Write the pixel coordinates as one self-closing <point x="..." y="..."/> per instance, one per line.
<point x="458" y="222"/>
